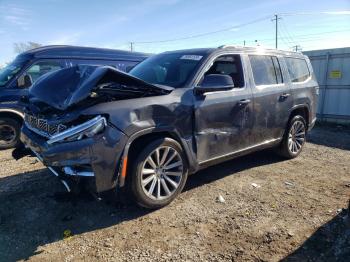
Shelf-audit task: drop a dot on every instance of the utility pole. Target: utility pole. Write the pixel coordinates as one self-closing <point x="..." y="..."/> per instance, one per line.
<point x="276" y="29"/>
<point x="297" y="48"/>
<point x="132" y="46"/>
<point x="244" y="43"/>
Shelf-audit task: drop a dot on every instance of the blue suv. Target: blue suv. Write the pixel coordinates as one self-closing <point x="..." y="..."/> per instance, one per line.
<point x="16" y="77"/>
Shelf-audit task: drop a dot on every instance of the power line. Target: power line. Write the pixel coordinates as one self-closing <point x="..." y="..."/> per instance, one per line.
<point x="277" y="17"/>
<point x="285" y="40"/>
<point x="341" y="12"/>
<point x="306" y="36"/>
<point x="297" y="48"/>
<point x="284" y="26"/>
<point x="205" y="34"/>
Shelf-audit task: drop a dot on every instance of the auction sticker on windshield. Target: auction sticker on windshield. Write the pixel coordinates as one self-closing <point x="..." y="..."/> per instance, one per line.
<point x="192" y="57"/>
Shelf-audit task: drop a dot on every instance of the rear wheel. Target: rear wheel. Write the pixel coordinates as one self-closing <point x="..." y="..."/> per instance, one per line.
<point x="9" y="133"/>
<point x="294" y="138"/>
<point x="159" y="173"/>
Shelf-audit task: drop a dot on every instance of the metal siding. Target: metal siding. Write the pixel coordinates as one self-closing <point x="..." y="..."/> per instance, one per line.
<point x="335" y="91"/>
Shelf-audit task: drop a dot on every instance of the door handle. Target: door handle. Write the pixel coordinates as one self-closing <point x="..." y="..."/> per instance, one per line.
<point x="243" y="102"/>
<point x="284" y="96"/>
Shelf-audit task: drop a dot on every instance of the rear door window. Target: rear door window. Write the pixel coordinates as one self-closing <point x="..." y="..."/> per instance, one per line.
<point x="266" y="70"/>
<point x="298" y="69"/>
<point x="41" y="68"/>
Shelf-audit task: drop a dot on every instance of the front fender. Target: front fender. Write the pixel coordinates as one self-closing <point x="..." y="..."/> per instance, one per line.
<point x="186" y="144"/>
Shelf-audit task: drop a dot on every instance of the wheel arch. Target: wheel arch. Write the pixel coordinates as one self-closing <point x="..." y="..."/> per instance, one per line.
<point x="140" y="139"/>
<point x="11" y="113"/>
<point x="302" y="110"/>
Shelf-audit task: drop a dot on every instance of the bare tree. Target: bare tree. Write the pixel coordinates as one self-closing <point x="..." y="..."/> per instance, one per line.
<point x="24" y="46"/>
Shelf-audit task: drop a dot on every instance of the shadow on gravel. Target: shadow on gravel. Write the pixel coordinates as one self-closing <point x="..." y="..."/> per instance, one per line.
<point x="35" y="210"/>
<point x="331" y="242"/>
<point x="330" y="136"/>
<point x="210" y="174"/>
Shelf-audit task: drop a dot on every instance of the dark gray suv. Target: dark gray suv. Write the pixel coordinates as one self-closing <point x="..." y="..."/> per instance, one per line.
<point x="172" y="115"/>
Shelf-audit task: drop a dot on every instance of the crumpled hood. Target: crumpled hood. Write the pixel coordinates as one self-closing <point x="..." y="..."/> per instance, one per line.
<point x="64" y="88"/>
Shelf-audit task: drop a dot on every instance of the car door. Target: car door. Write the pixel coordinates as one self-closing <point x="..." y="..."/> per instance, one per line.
<point x="32" y="70"/>
<point x="223" y="119"/>
<point x="44" y="66"/>
<point x="272" y="97"/>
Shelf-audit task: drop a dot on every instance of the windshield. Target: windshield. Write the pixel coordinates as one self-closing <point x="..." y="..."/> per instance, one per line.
<point x="8" y="72"/>
<point x="167" y="69"/>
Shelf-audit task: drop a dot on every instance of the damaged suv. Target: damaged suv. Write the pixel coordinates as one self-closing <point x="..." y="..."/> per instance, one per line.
<point x="172" y="115"/>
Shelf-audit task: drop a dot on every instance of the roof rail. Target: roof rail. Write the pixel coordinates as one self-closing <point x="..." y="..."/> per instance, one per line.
<point x="226" y="46"/>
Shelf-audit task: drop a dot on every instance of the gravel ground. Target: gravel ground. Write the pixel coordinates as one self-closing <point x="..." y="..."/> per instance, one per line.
<point x="272" y="210"/>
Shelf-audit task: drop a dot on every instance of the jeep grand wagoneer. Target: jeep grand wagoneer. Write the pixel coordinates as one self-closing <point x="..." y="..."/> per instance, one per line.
<point x="172" y="115"/>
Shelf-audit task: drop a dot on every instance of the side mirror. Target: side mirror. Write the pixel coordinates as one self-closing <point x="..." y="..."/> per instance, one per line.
<point x="24" y="81"/>
<point x="215" y="82"/>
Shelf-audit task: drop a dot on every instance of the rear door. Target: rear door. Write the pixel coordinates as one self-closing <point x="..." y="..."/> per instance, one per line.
<point x="272" y="97"/>
<point x="223" y="119"/>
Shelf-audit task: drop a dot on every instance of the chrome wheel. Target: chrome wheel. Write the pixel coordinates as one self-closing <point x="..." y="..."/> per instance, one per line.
<point x="162" y="173"/>
<point x="7" y="134"/>
<point x="296" y="137"/>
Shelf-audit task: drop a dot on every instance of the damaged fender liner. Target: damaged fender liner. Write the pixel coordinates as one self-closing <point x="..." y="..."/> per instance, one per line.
<point x="96" y="152"/>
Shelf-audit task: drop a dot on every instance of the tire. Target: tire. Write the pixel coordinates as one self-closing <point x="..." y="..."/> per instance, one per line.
<point x="294" y="138"/>
<point x="155" y="185"/>
<point x="10" y="130"/>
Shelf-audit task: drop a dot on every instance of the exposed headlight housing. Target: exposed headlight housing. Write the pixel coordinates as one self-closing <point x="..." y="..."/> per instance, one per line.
<point x="86" y="129"/>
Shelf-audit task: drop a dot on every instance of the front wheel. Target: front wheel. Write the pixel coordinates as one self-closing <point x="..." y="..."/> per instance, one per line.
<point x="159" y="173"/>
<point x="9" y="133"/>
<point x="294" y="138"/>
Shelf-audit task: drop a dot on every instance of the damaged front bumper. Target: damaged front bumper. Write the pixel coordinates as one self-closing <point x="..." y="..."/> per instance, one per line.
<point x="96" y="157"/>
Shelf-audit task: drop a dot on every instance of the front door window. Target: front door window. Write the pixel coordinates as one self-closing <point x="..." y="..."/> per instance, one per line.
<point x="41" y="68"/>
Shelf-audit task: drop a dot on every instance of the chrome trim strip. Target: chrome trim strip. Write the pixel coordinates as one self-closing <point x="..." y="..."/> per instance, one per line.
<point x="52" y="170"/>
<point x="242" y="150"/>
<point x="77" y="129"/>
<point x="71" y="172"/>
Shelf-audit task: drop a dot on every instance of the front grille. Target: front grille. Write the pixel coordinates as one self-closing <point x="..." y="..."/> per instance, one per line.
<point x="41" y="126"/>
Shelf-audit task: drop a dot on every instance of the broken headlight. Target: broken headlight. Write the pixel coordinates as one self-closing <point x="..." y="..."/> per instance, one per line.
<point x="84" y="130"/>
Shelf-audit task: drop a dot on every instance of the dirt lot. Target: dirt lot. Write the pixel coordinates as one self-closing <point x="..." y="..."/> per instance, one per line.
<point x="294" y="213"/>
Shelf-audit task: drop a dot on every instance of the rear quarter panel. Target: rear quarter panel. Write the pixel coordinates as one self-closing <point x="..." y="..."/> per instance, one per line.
<point x="306" y="93"/>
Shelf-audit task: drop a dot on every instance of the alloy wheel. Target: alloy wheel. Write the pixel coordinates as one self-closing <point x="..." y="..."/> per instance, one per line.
<point x="162" y="173"/>
<point x="7" y="134"/>
<point x="296" y="137"/>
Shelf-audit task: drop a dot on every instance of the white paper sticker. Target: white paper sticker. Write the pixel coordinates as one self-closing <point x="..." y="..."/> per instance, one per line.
<point x="192" y="57"/>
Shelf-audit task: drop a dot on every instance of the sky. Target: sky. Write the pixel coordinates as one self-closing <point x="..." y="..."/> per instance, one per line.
<point x="155" y="25"/>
